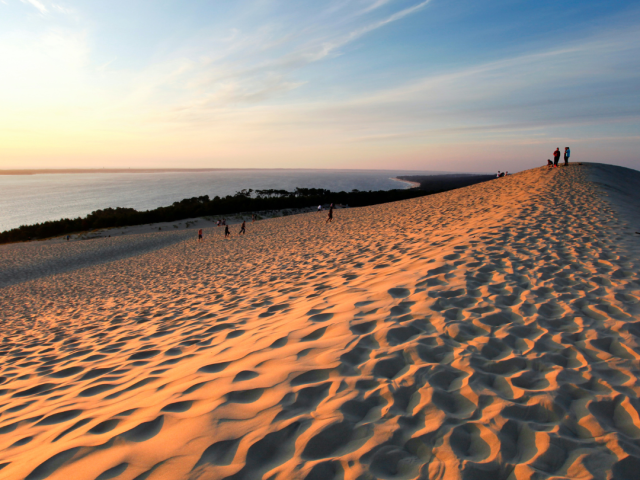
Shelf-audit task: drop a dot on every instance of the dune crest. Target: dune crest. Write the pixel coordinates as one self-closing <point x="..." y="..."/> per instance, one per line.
<point x="490" y="332"/>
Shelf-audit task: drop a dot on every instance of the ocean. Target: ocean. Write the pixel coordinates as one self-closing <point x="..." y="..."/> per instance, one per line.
<point x="29" y="199"/>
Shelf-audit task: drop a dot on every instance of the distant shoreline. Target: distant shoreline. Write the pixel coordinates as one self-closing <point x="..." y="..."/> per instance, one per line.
<point x="441" y="183"/>
<point x="409" y="182"/>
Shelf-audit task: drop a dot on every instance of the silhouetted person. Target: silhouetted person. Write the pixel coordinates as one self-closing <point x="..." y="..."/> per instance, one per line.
<point x="330" y="215"/>
<point x="556" y="157"/>
<point x="567" y="154"/>
<point x="549" y="163"/>
<point x="227" y="233"/>
<point x="200" y="235"/>
<point x="242" y="231"/>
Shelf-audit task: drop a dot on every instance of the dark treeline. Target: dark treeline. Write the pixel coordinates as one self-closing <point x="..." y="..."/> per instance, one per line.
<point x="243" y="201"/>
<point x="442" y="183"/>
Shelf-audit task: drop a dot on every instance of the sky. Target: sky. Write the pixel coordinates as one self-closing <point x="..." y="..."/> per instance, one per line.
<point x="452" y="85"/>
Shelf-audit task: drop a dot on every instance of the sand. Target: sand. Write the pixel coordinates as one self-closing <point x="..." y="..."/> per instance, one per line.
<point x="489" y="332"/>
<point x="191" y="224"/>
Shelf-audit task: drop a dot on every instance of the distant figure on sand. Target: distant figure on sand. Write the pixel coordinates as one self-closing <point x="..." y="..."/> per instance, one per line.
<point x="556" y="157"/>
<point x="253" y="218"/>
<point x="567" y="154"/>
<point x="319" y="208"/>
<point x="218" y="223"/>
<point x="549" y="164"/>
<point x="200" y="235"/>
<point x="227" y="233"/>
<point x="330" y="215"/>
<point x="242" y="231"/>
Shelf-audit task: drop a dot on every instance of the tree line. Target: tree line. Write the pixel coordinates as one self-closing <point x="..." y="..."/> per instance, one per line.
<point x="242" y="202"/>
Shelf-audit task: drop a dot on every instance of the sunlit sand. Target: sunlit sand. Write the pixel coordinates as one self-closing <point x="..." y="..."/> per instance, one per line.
<point x="489" y="332"/>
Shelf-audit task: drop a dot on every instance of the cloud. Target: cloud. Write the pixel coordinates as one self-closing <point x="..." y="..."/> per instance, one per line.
<point x="256" y="82"/>
<point x="63" y="10"/>
<point x="375" y="4"/>
<point x="36" y="4"/>
<point x="328" y="47"/>
<point x="247" y="68"/>
<point x="565" y="92"/>
<point x="560" y="86"/>
<point x="104" y="66"/>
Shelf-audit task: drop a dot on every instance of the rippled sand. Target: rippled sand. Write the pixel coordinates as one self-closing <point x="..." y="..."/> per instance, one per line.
<point x="490" y="332"/>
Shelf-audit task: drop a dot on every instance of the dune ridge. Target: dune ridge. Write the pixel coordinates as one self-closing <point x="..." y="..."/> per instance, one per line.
<point x="489" y="332"/>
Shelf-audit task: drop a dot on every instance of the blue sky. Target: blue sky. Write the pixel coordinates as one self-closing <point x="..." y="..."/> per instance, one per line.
<point x="439" y="84"/>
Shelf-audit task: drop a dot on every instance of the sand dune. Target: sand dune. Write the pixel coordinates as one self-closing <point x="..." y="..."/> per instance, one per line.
<point x="490" y="332"/>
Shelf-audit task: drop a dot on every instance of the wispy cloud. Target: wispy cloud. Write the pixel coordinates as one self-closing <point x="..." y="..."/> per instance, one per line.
<point x="554" y="90"/>
<point x="244" y="68"/>
<point x="104" y="66"/>
<point x="305" y="79"/>
<point x="375" y="4"/>
<point x="330" y="46"/>
<point x="38" y="5"/>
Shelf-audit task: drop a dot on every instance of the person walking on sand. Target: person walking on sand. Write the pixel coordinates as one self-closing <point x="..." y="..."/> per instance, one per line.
<point x="200" y="235"/>
<point x="567" y="154"/>
<point x="556" y="157"/>
<point x="330" y="215"/>
<point x="253" y="218"/>
<point x="242" y="231"/>
<point x="227" y="233"/>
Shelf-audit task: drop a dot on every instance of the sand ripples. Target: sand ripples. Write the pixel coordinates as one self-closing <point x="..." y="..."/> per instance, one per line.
<point x="489" y="332"/>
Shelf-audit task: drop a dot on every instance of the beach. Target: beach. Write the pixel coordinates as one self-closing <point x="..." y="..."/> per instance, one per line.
<point x="488" y="332"/>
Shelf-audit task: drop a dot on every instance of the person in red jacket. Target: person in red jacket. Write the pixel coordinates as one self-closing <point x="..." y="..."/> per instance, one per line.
<point x="556" y="157"/>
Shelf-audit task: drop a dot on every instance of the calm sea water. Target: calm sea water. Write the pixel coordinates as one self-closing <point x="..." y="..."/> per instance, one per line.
<point x="28" y="199"/>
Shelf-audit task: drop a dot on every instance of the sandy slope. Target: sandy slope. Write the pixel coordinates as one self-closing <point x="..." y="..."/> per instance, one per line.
<point x="485" y="333"/>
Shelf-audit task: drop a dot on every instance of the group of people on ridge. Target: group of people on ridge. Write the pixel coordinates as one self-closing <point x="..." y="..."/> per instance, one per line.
<point x="556" y="157"/>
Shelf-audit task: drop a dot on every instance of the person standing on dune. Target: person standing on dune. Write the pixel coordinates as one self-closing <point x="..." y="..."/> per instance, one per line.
<point x="567" y="154"/>
<point x="556" y="157"/>
<point x="330" y="215"/>
<point x="242" y="231"/>
<point x="227" y="233"/>
<point x="200" y="235"/>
